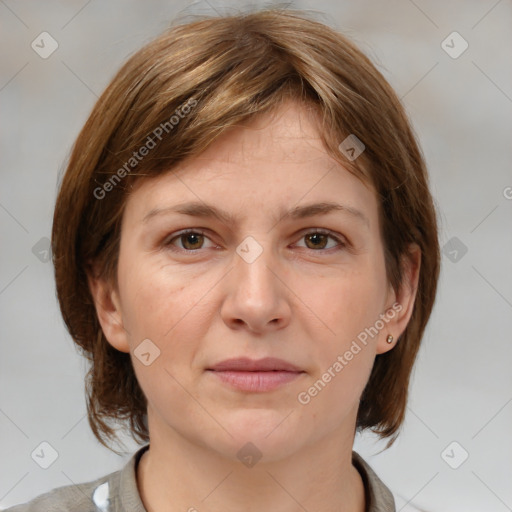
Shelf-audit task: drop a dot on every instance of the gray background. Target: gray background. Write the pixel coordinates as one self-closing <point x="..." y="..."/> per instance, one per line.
<point x="461" y="109"/>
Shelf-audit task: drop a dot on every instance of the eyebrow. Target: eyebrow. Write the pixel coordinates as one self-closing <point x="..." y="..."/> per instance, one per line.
<point x="204" y="210"/>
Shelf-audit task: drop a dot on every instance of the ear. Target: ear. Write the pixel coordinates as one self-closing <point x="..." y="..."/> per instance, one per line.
<point x="400" y="304"/>
<point x="108" y="309"/>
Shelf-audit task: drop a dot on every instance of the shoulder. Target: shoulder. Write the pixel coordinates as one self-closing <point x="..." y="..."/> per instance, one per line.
<point x="70" y="498"/>
<point x="378" y="497"/>
<point x="114" y="492"/>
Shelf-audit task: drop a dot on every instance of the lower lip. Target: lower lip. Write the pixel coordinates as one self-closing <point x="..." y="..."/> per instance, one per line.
<point x="256" y="381"/>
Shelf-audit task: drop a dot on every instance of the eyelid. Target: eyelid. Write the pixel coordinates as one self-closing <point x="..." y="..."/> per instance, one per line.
<point x="177" y="234"/>
<point x="340" y="239"/>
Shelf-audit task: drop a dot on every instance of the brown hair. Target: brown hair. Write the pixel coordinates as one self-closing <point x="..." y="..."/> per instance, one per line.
<point x="180" y="92"/>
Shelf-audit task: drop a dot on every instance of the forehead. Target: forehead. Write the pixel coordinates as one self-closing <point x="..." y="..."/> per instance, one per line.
<point x="271" y="162"/>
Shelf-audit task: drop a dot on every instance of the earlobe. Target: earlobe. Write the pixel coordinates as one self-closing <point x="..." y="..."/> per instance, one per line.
<point x="108" y="310"/>
<point x="400" y="311"/>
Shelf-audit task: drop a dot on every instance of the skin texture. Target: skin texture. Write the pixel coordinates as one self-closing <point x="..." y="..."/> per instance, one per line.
<point x="303" y="300"/>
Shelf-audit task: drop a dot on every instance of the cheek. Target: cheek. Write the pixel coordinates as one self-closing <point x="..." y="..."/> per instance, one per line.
<point x="344" y="356"/>
<point x="345" y="304"/>
<point x="158" y="302"/>
<point x="162" y="307"/>
<point x="173" y="310"/>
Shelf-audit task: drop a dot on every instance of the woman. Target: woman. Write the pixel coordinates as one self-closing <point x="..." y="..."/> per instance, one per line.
<point x="245" y="248"/>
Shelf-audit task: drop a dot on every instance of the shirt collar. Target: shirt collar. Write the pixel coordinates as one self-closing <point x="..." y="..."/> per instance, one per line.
<point x="378" y="496"/>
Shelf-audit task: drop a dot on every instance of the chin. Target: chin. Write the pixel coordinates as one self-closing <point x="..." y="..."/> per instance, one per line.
<point x="264" y="431"/>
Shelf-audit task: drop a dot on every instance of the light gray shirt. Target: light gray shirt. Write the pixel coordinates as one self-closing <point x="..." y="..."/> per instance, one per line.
<point x="118" y="492"/>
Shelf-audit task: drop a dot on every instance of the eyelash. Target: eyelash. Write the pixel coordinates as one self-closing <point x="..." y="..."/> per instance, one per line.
<point x="197" y="231"/>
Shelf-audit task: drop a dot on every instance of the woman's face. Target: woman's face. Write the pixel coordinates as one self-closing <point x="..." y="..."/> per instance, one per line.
<point x="262" y="274"/>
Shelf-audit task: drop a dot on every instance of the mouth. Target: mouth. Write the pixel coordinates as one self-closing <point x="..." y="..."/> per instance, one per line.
<point x="255" y="375"/>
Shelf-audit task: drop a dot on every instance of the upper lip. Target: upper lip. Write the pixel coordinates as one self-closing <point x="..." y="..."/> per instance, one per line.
<point x="245" y="364"/>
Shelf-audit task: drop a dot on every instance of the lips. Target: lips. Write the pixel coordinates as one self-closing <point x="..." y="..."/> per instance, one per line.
<point x="244" y="364"/>
<point x="255" y="375"/>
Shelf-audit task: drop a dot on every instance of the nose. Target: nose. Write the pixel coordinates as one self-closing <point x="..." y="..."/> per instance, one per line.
<point x="256" y="295"/>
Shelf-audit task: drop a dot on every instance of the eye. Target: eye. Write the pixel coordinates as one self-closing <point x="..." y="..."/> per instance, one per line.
<point x="191" y="240"/>
<point x="318" y="239"/>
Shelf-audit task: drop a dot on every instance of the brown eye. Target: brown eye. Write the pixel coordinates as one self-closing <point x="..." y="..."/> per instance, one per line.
<point x="318" y="240"/>
<point x="190" y="240"/>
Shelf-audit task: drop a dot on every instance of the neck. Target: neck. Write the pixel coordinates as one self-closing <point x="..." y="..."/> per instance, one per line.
<point x="175" y="474"/>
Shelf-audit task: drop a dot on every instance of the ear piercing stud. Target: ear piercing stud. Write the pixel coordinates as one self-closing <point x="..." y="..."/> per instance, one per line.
<point x="389" y="339"/>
